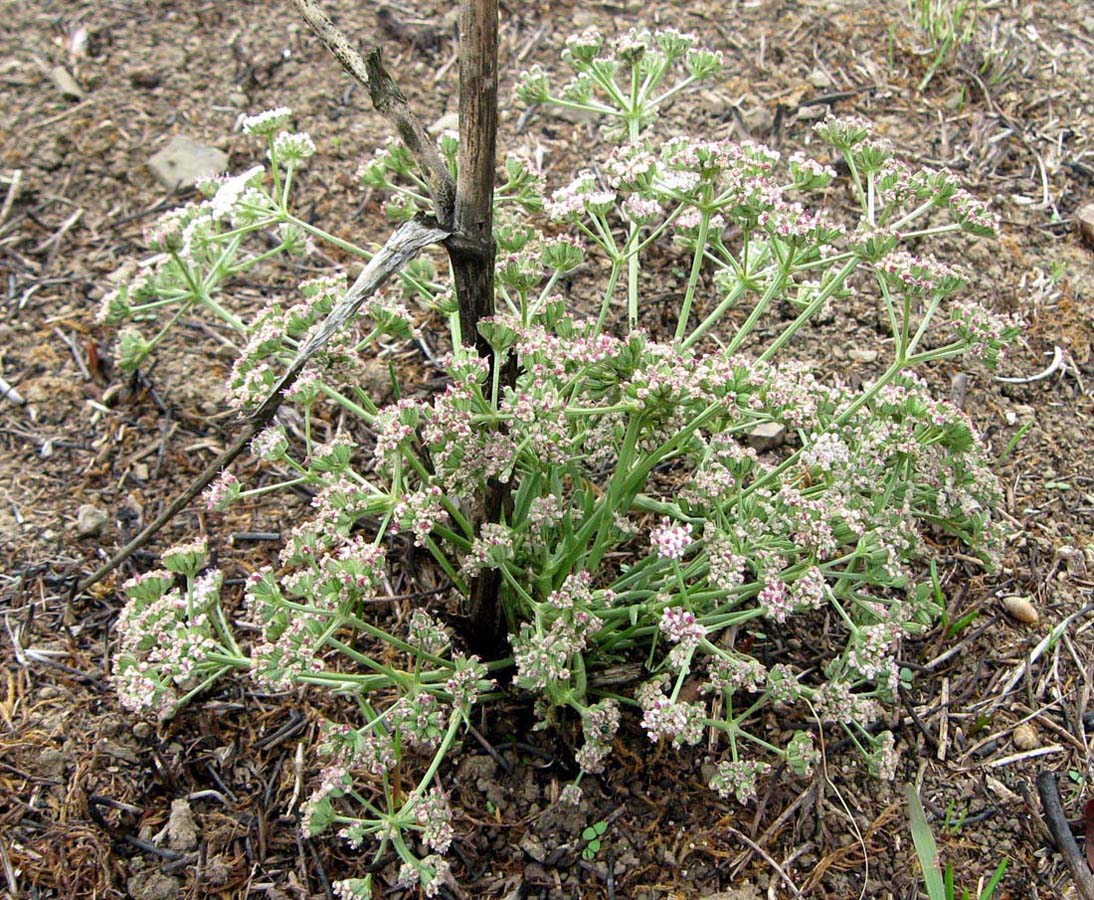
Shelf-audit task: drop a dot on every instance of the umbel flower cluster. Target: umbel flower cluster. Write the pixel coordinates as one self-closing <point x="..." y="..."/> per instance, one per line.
<point x="643" y="523"/>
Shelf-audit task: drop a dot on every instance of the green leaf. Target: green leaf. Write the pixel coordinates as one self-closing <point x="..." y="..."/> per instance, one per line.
<point x="989" y="888"/>
<point x="925" y="847"/>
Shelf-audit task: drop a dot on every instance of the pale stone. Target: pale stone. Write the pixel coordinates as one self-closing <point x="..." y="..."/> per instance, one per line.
<point x="1025" y="737"/>
<point x="182" y="830"/>
<point x="184" y="162"/>
<point x="447" y="122"/>
<point x="64" y="82"/>
<point x="1021" y="610"/>
<point x="865" y="356"/>
<point x="766" y="436"/>
<point x="90" y="520"/>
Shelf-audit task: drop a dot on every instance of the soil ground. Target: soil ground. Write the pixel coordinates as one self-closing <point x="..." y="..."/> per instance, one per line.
<point x="1012" y="113"/>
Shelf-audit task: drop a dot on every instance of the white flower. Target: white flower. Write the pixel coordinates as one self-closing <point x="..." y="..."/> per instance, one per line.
<point x="230" y="190"/>
<point x="292" y="147"/>
<point x="267" y="122"/>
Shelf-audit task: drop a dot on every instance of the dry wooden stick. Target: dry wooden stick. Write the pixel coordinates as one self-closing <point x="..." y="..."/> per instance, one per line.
<point x="466" y="209"/>
<point x="389" y="100"/>
<point x="403" y="245"/>
<point x="1061" y="834"/>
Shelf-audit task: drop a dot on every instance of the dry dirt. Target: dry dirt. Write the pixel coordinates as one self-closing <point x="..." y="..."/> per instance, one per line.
<point x="81" y="782"/>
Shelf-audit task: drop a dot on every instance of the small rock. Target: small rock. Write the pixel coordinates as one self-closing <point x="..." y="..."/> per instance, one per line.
<point x="715" y="103"/>
<point x="1084" y="215"/>
<point x="90" y="520"/>
<point x="146" y="79"/>
<point x="533" y="847"/>
<point x="757" y="119"/>
<point x="1025" y="737"/>
<point x="140" y="471"/>
<point x="142" y="730"/>
<point x="812" y="113"/>
<point x="766" y="436"/>
<point x="50" y="763"/>
<point x="182" y="830"/>
<point x="184" y="162"/>
<point x="820" y="79"/>
<point x="217" y="871"/>
<point x="153" y="885"/>
<point x="569" y="114"/>
<point x="959" y="388"/>
<point x="447" y="122"/>
<point x="955" y="100"/>
<point x="864" y="356"/>
<point x="1021" y="610"/>
<point x="64" y="82"/>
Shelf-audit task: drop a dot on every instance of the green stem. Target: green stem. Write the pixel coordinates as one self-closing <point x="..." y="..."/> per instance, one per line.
<point x="696" y="263"/>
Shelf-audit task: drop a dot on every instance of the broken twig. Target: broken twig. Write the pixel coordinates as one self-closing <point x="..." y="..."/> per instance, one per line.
<point x="389" y="100"/>
<point x="402" y="246"/>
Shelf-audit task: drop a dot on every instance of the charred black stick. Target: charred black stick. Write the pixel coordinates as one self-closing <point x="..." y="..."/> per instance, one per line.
<point x="1061" y="834"/>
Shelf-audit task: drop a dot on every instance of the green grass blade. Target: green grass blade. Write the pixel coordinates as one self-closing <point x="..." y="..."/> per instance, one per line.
<point x="925" y="847"/>
<point x="989" y="889"/>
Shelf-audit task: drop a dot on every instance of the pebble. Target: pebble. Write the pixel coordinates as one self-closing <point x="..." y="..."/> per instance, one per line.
<point x="184" y="162"/>
<point x="1021" y="610"/>
<point x="64" y="82"/>
<point x="757" y="119"/>
<point x="820" y="79"/>
<point x="766" y="436"/>
<point x="447" y="122"/>
<point x="1084" y="215"/>
<point x="1025" y="737"/>
<point x="533" y="847"/>
<point x="182" y="830"/>
<point x="865" y="356"/>
<point x="90" y="520"/>
<point x="812" y="113"/>
<point x="715" y="103"/>
<point x="146" y="79"/>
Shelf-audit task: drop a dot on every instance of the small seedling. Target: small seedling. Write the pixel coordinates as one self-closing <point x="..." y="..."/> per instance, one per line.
<point x="591" y="836"/>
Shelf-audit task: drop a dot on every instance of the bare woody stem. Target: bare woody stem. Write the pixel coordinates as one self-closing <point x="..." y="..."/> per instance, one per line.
<point x="389" y="100"/>
<point x="473" y="261"/>
<point x="470" y="247"/>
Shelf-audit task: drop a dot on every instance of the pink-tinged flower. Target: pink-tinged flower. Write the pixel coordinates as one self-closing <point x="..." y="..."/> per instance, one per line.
<point x="679" y="626"/>
<point x="775" y="600"/>
<point x="669" y="540"/>
<point x="738" y="779"/>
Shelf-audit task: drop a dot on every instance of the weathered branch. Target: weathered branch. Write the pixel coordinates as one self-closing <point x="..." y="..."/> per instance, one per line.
<point x="475" y="176"/>
<point x="403" y="245"/>
<point x="473" y="264"/>
<point x="388" y="100"/>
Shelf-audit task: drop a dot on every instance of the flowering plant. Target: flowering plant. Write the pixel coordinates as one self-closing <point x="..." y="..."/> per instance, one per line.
<point x="648" y="517"/>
